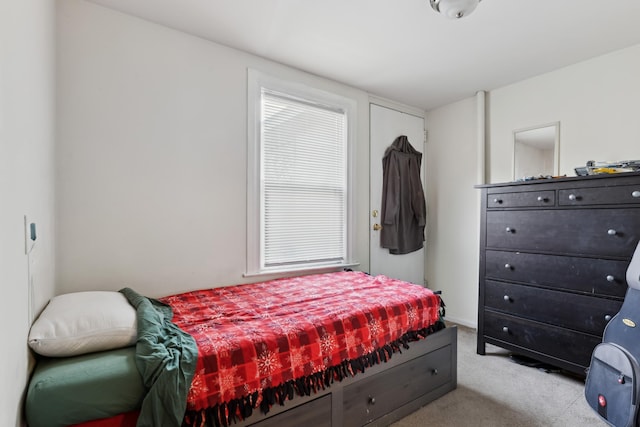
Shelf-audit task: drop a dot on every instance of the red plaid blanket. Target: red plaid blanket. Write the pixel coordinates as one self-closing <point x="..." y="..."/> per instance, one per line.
<point x="259" y="342"/>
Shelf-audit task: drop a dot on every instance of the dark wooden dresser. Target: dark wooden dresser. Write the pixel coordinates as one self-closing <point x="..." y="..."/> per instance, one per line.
<point x="553" y="259"/>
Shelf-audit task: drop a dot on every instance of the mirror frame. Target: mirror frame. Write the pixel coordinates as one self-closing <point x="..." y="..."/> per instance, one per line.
<point x="556" y="146"/>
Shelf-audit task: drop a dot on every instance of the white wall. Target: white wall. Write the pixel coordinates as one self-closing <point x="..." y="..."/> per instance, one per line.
<point x="152" y="155"/>
<point x="453" y="208"/>
<point x="596" y="103"/>
<point x="26" y="183"/>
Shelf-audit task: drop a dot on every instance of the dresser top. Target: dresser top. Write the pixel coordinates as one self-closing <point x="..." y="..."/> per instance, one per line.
<point x="594" y="179"/>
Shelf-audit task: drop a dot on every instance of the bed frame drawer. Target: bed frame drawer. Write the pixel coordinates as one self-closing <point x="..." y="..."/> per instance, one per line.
<point x="374" y="397"/>
<point x="315" y="413"/>
<point x="400" y="386"/>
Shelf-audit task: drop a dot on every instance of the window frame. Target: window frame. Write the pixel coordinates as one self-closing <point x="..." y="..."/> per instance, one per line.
<point x="256" y="82"/>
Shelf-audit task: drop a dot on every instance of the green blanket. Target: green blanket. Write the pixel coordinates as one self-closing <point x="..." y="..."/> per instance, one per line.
<point x="166" y="358"/>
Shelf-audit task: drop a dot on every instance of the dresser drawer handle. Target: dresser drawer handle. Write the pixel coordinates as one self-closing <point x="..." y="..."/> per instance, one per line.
<point x="498" y="201"/>
<point x="509" y="230"/>
<point x="542" y="199"/>
<point x="506" y="298"/>
<point x="434" y="371"/>
<point x="611" y="232"/>
<point x="505" y="329"/>
<point x="573" y="197"/>
<point x="507" y="266"/>
<point x="610" y="278"/>
<point x="607" y="317"/>
<point x="635" y="194"/>
<point x="372" y="400"/>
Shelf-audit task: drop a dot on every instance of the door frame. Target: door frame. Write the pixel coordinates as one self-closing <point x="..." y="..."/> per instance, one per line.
<point x="401" y="108"/>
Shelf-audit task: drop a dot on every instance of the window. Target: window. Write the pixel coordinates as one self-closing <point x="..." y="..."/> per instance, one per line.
<point x="299" y="183"/>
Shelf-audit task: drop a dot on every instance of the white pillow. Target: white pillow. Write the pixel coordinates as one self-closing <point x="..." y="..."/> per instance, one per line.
<point x="84" y="322"/>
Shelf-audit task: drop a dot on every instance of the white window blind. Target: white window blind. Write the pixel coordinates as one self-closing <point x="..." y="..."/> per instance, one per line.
<point x="303" y="182"/>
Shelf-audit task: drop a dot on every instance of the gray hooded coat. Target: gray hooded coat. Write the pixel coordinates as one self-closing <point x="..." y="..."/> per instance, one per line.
<point x="403" y="205"/>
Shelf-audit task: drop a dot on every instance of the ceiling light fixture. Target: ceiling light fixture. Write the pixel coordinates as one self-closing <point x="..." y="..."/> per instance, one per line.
<point x="454" y="9"/>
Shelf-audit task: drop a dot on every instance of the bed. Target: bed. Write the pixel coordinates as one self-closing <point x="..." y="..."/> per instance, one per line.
<point x="335" y="349"/>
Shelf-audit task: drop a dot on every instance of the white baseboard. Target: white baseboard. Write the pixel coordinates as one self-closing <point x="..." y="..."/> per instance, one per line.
<point x="463" y="322"/>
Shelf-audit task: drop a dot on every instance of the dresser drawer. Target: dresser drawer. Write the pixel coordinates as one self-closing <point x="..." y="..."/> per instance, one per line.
<point x="373" y="397"/>
<point x="599" y="232"/>
<point x="572" y="311"/>
<point x="587" y="275"/>
<point x="560" y="343"/>
<point x="614" y="195"/>
<point x="521" y="199"/>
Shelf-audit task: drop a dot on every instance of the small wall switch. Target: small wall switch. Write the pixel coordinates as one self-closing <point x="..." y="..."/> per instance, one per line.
<point x="29" y="235"/>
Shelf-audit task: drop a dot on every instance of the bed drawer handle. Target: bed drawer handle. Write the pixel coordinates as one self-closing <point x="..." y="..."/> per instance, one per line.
<point x="635" y="194"/>
<point x="610" y="278"/>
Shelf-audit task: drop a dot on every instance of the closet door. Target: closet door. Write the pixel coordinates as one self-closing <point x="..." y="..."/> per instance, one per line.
<point x="386" y="124"/>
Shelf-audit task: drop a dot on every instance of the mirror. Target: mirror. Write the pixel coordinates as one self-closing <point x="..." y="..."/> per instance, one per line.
<point x="535" y="151"/>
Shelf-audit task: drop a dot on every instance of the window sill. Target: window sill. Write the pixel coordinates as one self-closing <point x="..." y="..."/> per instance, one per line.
<point x="300" y="271"/>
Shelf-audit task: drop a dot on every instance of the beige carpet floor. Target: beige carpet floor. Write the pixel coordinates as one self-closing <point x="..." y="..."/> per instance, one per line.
<point x="494" y="391"/>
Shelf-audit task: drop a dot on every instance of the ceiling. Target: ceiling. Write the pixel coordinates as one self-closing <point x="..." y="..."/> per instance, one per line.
<point x="402" y="49"/>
